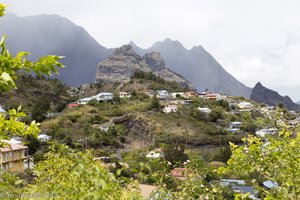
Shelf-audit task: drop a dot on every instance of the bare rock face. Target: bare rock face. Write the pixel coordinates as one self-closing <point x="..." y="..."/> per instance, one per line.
<point x="119" y="66"/>
<point x="123" y="62"/>
<point x="262" y="94"/>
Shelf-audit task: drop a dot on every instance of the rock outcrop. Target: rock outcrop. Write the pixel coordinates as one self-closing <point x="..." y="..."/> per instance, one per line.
<point x="123" y="62"/>
<point x="262" y="94"/>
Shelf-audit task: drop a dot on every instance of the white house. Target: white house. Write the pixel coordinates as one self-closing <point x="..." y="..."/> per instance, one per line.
<point x="124" y="95"/>
<point x="44" y="138"/>
<point x="170" y="108"/>
<point x="245" y="105"/>
<point x="155" y="154"/>
<point x="204" y="110"/>
<point x="2" y="110"/>
<point x="162" y="94"/>
<point x="104" y="96"/>
<point x="235" y="126"/>
<point x="263" y="132"/>
<point x="84" y="101"/>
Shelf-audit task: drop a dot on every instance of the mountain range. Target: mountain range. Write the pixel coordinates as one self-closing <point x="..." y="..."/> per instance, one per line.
<point x="197" y="66"/>
<point x="262" y="94"/>
<point x="52" y="34"/>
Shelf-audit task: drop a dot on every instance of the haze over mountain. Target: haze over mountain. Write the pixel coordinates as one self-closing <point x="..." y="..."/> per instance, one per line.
<point x="197" y="66"/>
<point x="52" y="34"/>
<point x="262" y="94"/>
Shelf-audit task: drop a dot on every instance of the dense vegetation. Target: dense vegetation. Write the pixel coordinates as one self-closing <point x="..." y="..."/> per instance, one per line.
<point x="76" y="166"/>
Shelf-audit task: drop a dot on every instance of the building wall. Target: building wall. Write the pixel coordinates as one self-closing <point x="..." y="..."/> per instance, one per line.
<point x="13" y="160"/>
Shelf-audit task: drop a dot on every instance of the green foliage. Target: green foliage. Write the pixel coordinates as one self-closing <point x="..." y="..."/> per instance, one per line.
<point x="157" y="82"/>
<point x="215" y="114"/>
<point x="154" y="105"/>
<point x="32" y="143"/>
<point x="174" y="154"/>
<point x="2" y="9"/>
<point x="278" y="161"/>
<point x="13" y="126"/>
<point x="40" y="109"/>
<point x="9" y="65"/>
<point x="98" y="138"/>
<point x="201" y="116"/>
<point x="68" y="174"/>
<point x="10" y="184"/>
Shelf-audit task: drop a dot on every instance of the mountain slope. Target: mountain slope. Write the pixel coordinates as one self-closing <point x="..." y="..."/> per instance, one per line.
<point x="52" y="34"/>
<point x="124" y="61"/>
<point x="198" y="67"/>
<point x="262" y="94"/>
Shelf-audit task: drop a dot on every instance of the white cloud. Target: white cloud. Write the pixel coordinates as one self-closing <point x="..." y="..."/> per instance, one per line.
<point x="254" y="40"/>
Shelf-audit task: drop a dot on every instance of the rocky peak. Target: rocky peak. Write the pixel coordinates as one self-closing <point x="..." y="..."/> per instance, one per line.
<point x="123" y="62"/>
<point x="155" y="61"/>
<point x="262" y="94"/>
<point x="125" y="50"/>
<point x="258" y="85"/>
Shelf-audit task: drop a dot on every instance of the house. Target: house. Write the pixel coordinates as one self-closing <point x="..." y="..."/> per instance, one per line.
<point x="73" y="105"/>
<point x="124" y="95"/>
<point x="12" y="156"/>
<point x="190" y="94"/>
<point x="170" y="108"/>
<point x="180" y="173"/>
<point x="49" y="115"/>
<point x="227" y="182"/>
<point x="155" y="154"/>
<point x="295" y="122"/>
<point x="84" y="101"/>
<point x="245" y="105"/>
<point x="263" y="132"/>
<point x="235" y="126"/>
<point x="104" y="96"/>
<point x="150" y="93"/>
<point x="213" y="96"/>
<point x="270" y="184"/>
<point x="146" y="190"/>
<point x="162" y="94"/>
<point x="204" y="110"/>
<point x="44" y="138"/>
<point x="2" y="111"/>
<point x="202" y="94"/>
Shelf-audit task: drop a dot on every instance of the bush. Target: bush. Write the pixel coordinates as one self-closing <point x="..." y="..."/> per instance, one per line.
<point x="40" y="109"/>
<point x="154" y="105"/>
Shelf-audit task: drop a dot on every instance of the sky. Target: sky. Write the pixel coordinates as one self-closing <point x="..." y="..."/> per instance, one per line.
<point x="257" y="40"/>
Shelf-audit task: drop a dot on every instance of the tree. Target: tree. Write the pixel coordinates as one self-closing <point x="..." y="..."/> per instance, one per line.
<point x="278" y="160"/>
<point x="70" y="174"/>
<point x="154" y="103"/>
<point x="9" y="66"/>
<point x="39" y="109"/>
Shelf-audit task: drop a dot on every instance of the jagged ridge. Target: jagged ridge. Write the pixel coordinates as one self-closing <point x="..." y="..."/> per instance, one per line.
<point x="124" y="61"/>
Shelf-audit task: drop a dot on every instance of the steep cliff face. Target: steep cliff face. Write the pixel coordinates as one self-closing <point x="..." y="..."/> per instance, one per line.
<point x="123" y="62"/>
<point x="262" y="94"/>
<point x="51" y="34"/>
<point x="119" y="66"/>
